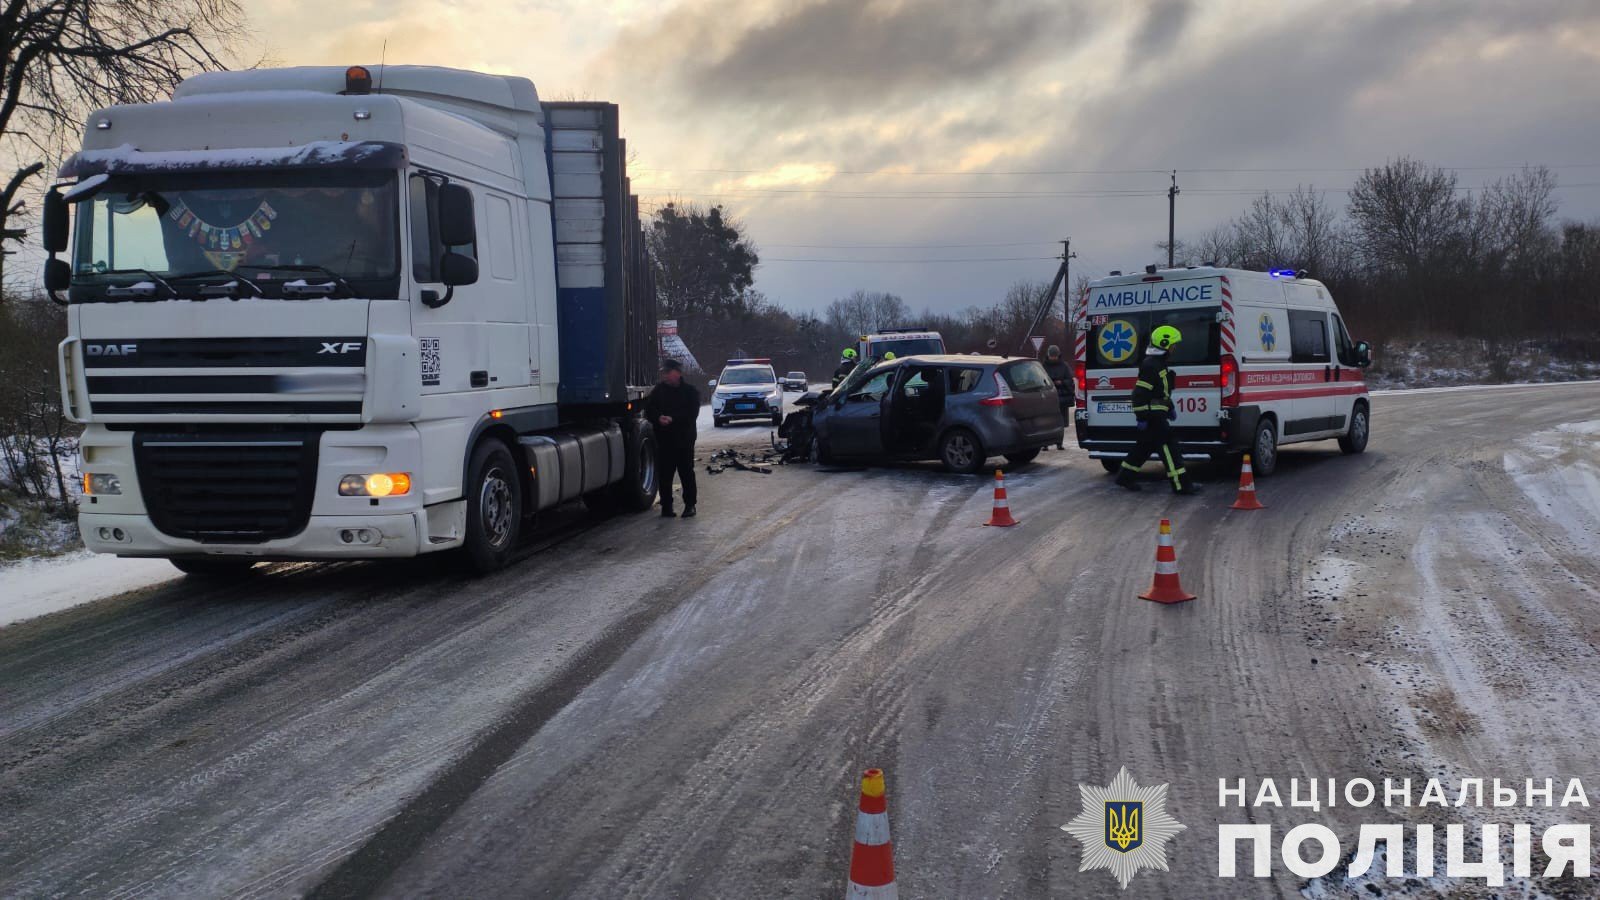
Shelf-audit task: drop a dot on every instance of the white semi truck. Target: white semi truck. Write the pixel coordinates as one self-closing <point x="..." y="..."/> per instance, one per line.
<point x="328" y="313"/>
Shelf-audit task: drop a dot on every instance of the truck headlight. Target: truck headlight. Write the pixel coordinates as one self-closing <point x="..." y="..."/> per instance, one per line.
<point x="101" y="483"/>
<point x="380" y="484"/>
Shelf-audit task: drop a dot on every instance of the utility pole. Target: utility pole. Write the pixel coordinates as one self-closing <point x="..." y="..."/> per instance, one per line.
<point x="1172" y="218"/>
<point x="1067" y="256"/>
<point x="1049" y="298"/>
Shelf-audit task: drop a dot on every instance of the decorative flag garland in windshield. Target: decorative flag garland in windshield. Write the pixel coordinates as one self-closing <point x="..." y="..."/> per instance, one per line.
<point x="223" y="244"/>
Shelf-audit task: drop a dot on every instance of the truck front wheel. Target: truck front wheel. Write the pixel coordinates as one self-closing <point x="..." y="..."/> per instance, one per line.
<point x="494" y="508"/>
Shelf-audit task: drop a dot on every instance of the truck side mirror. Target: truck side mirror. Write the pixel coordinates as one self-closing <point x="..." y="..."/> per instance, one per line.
<point x="457" y="268"/>
<point x="57" y="277"/>
<point x="54" y="224"/>
<point x="457" y="227"/>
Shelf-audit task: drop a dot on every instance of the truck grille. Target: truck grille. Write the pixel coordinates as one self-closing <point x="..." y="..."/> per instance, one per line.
<point x="218" y="487"/>
<point x="170" y="378"/>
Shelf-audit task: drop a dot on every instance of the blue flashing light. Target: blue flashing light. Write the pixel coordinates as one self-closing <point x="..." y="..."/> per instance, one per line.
<point x="1282" y="273"/>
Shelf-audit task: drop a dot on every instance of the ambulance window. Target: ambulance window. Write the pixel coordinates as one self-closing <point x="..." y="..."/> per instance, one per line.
<point x="1308" y="336"/>
<point x="1342" y="342"/>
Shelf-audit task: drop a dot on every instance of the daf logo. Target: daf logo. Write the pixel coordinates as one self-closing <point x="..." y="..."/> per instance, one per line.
<point x="110" y="349"/>
<point x="336" y="347"/>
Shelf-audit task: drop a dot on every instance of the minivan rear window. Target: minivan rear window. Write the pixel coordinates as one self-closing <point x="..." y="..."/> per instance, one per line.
<point x="1027" y="376"/>
<point x="1117" y="341"/>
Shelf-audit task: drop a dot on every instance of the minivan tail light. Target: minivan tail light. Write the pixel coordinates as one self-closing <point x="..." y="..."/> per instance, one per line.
<point x="1002" y="394"/>
<point x="1080" y="382"/>
<point x="1230" y="381"/>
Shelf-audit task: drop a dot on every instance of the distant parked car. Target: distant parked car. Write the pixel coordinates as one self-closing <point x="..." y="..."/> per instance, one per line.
<point x="794" y="381"/>
<point x="960" y="410"/>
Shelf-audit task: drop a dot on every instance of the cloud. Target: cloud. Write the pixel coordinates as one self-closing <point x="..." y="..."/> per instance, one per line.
<point x="848" y="53"/>
<point x="1163" y="22"/>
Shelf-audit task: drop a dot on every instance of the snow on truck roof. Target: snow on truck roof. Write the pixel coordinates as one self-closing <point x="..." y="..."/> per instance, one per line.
<point x="503" y="91"/>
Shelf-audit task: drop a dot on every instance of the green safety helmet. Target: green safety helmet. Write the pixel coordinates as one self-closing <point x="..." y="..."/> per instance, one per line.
<point x="1165" y="336"/>
<point x="888" y="356"/>
<point x="849" y="353"/>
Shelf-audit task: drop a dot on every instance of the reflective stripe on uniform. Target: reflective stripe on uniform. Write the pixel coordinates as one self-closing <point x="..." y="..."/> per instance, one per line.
<point x="1144" y="384"/>
<point x="1173" y="472"/>
<point x="1128" y="467"/>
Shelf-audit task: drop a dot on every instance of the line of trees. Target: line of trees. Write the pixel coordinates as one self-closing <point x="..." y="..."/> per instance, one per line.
<point x="1412" y="254"/>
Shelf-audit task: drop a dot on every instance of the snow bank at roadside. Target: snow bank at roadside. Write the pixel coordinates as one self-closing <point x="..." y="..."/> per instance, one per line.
<point x="36" y="587"/>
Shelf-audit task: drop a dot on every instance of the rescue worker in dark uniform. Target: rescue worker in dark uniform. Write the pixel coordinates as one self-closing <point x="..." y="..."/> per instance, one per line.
<point x="847" y="364"/>
<point x="1061" y="376"/>
<point x="1152" y="407"/>
<point x="672" y="408"/>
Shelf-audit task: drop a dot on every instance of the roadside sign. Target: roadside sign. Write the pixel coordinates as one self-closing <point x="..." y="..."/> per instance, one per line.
<point x="1038" y="341"/>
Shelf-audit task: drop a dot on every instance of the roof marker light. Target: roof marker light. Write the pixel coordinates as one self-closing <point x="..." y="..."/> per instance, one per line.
<point x="357" y="80"/>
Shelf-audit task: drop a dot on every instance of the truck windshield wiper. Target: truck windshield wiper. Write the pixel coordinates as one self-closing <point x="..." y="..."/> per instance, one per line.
<point x="138" y="289"/>
<point x="226" y="289"/>
<point x="335" y="280"/>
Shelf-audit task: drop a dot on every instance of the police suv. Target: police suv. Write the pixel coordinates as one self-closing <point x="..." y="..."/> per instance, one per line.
<point x="746" y="389"/>
<point x="1265" y="360"/>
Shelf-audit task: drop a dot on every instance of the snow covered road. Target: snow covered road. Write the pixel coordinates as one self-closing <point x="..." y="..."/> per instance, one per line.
<point x="644" y="707"/>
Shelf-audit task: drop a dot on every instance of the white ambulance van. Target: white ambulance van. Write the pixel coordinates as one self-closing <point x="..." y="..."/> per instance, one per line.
<point x="1265" y="360"/>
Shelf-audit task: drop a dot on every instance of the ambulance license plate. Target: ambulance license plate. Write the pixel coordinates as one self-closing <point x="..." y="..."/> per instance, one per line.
<point x="1114" y="406"/>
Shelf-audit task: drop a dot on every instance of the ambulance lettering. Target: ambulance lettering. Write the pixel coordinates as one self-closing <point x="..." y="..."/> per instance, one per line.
<point x="1153" y="296"/>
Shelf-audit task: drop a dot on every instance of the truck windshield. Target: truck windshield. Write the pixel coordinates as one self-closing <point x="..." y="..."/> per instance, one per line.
<point x="1117" y="340"/>
<point x="268" y="227"/>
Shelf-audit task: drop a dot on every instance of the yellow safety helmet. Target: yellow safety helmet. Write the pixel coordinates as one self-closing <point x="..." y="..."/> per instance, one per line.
<point x="849" y="353"/>
<point x="888" y="356"/>
<point x="1165" y="336"/>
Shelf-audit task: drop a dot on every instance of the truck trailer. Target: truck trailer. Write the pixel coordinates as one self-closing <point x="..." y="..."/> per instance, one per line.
<point x="329" y="313"/>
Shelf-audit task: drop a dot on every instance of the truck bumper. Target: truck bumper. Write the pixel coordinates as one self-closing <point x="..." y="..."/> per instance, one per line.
<point x="324" y="537"/>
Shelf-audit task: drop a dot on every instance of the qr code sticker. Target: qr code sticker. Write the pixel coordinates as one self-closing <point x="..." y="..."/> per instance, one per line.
<point x="430" y="361"/>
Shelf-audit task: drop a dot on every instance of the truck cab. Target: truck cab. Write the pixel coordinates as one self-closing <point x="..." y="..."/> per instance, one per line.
<point x="318" y="314"/>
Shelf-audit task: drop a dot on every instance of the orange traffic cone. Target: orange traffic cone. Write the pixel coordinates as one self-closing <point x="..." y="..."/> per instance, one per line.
<point x="872" y="857"/>
<point x="1165" y="587"/>
<point x="1247" y="488"/>
<point x="1001" y="518"/>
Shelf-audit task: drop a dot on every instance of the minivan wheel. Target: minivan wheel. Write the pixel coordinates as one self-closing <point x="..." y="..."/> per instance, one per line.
<point x="1264" y="452"/>
<point x="1355" y="440"/>
<point x="1023" y="457"/>
<point x="961" y="452"/>
<point x="494" y="508"/>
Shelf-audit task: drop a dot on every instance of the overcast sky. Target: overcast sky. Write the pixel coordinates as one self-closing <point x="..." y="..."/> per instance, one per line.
<point x="977" y="133"/>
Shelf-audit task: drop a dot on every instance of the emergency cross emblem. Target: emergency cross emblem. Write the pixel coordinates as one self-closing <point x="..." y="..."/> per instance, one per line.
<point x="1269" y="333"/>
<point x="1117" y="340"/>
<point x="1123" y="827"/>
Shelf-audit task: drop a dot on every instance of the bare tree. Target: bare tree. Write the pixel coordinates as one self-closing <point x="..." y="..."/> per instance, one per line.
<point x="59" y="59"/>
<point x="863" y="312"/>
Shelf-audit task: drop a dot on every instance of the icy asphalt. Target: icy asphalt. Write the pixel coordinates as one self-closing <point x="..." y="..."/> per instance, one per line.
<point x="660" y="708"/>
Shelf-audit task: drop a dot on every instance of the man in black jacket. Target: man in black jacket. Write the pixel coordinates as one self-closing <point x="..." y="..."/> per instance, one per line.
<point x="672" y="408"/>
<point x="1061" y="376"/>
<point x="1154" y="412"/>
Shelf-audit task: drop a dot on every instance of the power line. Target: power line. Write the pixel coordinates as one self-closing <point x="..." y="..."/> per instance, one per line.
<point x="976" y="259"/>
<point x="1047" y="172"/>
<point x="826" y="194"/>
<point x="909" y="246"/>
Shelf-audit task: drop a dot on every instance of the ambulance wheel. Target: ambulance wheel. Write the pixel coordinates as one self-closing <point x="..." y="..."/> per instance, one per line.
<point x="1264" y="451"/>
<point x="494" y="508"/>
<point x="1112" y="466"/>
<point x="962" y="452"/>
<point x="1355" y="440"/>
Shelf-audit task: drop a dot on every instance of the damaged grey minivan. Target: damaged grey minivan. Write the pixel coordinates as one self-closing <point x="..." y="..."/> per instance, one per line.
<point x="960" y="410"/>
